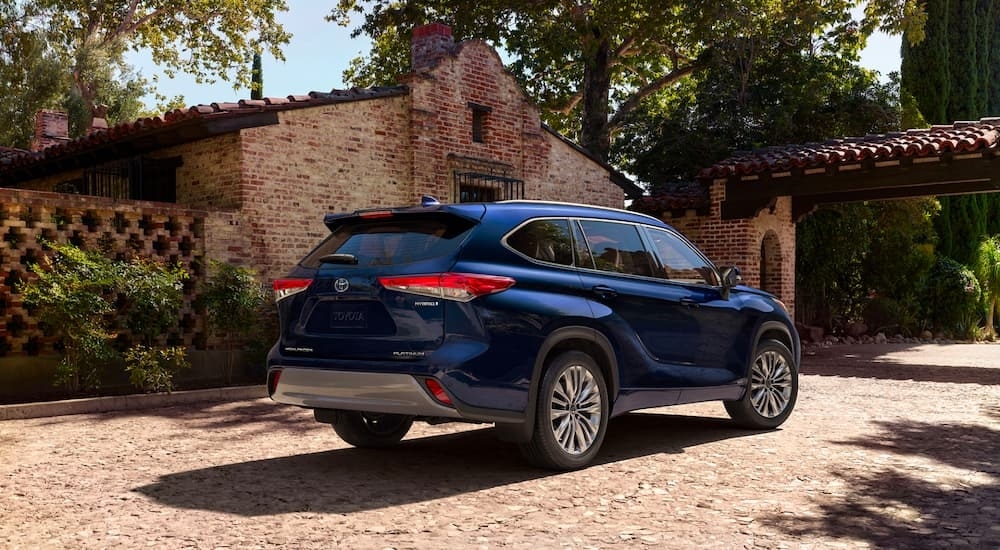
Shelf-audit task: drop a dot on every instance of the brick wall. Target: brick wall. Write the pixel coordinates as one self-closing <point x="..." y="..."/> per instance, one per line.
<point x="334" y="158"/>
<point x="740" y="242"/>
<point x="444" y="97"/>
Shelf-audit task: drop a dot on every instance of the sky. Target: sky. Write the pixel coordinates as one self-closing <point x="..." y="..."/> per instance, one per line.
<point x="320" y="50"/>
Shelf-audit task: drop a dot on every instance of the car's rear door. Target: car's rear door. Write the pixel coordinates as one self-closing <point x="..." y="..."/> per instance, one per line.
<point x="346" y="313"/>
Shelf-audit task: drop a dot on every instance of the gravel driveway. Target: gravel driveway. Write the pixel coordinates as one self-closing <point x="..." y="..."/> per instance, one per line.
<point x="890" y="446"/>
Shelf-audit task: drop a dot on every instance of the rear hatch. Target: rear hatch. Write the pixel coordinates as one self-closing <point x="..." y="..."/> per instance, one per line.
<point x="346" y="312"/>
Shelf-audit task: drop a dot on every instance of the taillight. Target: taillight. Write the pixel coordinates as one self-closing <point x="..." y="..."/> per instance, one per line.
<point x="283" y="288"/>
<point x="460" y="287"/>
<point x="438" y="392"/>
<point x="272" y="381"/>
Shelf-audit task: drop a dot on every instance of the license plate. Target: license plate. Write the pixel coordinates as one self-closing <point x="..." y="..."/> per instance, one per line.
<point x="349" y="318"/>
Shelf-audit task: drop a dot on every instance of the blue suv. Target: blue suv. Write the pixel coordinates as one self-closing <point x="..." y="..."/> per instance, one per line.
<point x="545" y="319"/>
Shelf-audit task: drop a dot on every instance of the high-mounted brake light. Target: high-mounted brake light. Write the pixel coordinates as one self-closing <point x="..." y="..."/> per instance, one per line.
<point x="373" y="214"/>
<point x="283" y="288"/>
<point x="461" y="287"/>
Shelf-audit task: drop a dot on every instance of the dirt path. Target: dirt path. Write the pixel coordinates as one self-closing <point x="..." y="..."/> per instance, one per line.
<point x="891" y="446"/>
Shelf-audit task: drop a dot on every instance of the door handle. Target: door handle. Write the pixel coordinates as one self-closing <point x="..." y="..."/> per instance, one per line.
<point x="604" y="292"/>
<point x="688" y="302"/>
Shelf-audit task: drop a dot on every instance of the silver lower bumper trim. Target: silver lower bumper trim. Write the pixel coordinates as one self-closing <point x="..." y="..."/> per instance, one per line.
<point x="357" y="391"/>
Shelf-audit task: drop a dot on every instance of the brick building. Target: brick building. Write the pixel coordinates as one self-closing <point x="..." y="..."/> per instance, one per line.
<point x="249" y="182"/>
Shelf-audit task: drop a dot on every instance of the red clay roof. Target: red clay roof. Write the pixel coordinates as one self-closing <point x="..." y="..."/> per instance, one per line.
<point x="131" y="130"/>
<point x="960" y="137"/>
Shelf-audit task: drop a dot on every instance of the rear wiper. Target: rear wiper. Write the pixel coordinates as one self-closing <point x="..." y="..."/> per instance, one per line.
<point x="350" y="259"/>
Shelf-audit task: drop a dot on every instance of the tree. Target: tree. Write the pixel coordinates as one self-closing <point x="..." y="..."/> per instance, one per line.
<point x="32" y="77"/>
<point x="591" y="64"/>
<point x="953" y="76"/>
<point x="257" y="78"/>
<point x="206" y="38"/>
<point x="988" y="273"/>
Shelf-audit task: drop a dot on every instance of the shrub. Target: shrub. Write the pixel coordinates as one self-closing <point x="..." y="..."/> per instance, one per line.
<point x="233" y="300"/>
<point x="951" y="298"/>
<point x="70" y="291"/>
<point x="84" y="296"/>
<point x="153" y="369"/>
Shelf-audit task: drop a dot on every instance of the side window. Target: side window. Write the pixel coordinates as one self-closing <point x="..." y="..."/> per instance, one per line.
<point x="678" y="261"/>
<point x="617" y="247"/>
<point x="544" y="240"/>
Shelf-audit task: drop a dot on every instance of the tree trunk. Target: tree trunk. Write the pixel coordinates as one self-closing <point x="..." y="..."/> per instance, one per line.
<point x="595" y="136"/>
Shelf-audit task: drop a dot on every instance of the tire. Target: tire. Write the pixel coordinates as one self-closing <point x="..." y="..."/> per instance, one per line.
<point x="371" y="430"/>
<point x="772" y="388"/>
<point x="572" y="414"/>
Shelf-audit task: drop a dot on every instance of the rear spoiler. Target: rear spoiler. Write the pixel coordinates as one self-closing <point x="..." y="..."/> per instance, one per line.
<point x="428" y="205"/>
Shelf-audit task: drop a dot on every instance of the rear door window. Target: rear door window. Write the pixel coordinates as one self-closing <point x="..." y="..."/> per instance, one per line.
<point x="617" y="247"/>
<point x="392" y="241"/>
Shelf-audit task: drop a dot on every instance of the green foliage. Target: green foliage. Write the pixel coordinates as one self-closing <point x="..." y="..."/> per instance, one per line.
<point x="785" y="95"/>
<point x="70" y="293"/>
<point x="205" y="39"/>
<point x="951" y="296"/>
<point x="85" y="297"/>
<point x="988" y="274"/>
<point x="233" y="300"/>
<point x="953" y="75"/>
<point x="150" y="295"/>
<point x="153" y="369"/>
<point x="865" y="261"/>
<point x="590" y="65"/>
<point x="32" y="77"/>
<point x="831" y="246"/>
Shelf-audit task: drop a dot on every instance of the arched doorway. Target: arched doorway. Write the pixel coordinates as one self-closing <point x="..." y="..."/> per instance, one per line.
<point x="770" y="264"/>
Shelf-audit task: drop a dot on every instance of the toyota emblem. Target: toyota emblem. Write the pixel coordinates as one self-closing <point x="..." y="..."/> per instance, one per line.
<point x="341" y="285"/>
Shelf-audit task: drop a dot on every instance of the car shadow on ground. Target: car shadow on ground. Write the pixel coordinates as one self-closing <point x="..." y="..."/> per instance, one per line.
<point x="909" y="506"/>
<point x="351" y="480"/>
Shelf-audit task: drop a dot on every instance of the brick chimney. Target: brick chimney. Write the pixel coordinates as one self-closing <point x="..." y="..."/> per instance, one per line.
<point x="100" y="119"/>
<point x="429" y="44"/>
<point x="51" y="128"/>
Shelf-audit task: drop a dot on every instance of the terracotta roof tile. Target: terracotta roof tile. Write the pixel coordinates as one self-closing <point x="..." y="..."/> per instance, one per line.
<point x="675" y="197"/>
<point x="959" y="137"/>
<point x="14" y="158"/>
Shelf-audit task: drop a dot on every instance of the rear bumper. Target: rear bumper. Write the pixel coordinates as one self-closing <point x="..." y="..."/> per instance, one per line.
<point x="357" y="391"/>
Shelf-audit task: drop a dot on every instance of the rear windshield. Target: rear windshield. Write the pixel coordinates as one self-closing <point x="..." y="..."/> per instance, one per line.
<point x="393" y="241"/>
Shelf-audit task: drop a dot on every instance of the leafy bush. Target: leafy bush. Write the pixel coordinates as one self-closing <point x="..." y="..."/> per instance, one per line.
<point x="951" y="298"/>
<point x="153" y="369"/>
<point x="84" y="296"/>
<point x="233" y="298"/>
<point x="70" y="292"/>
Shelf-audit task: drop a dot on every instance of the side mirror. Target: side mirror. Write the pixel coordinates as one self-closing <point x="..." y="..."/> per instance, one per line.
<point x="730" y="278"/>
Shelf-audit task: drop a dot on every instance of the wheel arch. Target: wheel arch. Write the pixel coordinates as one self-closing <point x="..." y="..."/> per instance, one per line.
<point x="778" y="331"/>
<point x="578" y="338"/>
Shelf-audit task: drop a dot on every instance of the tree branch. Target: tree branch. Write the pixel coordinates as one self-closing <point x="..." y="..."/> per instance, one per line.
<point x="654" y="86"/>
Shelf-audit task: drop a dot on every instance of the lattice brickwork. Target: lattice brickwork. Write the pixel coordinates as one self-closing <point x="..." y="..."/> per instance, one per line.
<point x="122" y="228"/>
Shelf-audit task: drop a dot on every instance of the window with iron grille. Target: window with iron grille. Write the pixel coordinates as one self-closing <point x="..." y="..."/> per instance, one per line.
<point x="479" y="187"/>
<point x="135" y="178"/>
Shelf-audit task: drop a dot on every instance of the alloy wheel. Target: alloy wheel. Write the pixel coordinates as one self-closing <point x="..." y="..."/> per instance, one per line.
<point x="770" y="384"/>
<point x="576" y="410"/>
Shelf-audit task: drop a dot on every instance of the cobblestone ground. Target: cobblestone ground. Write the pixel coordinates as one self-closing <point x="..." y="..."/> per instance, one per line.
<point x="891" y="446"/>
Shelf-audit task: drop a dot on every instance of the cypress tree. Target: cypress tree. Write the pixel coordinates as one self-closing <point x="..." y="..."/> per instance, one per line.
<point x="953" y="75"/>
<point x="925" y="70"/>
<point x="257" y="78"/>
